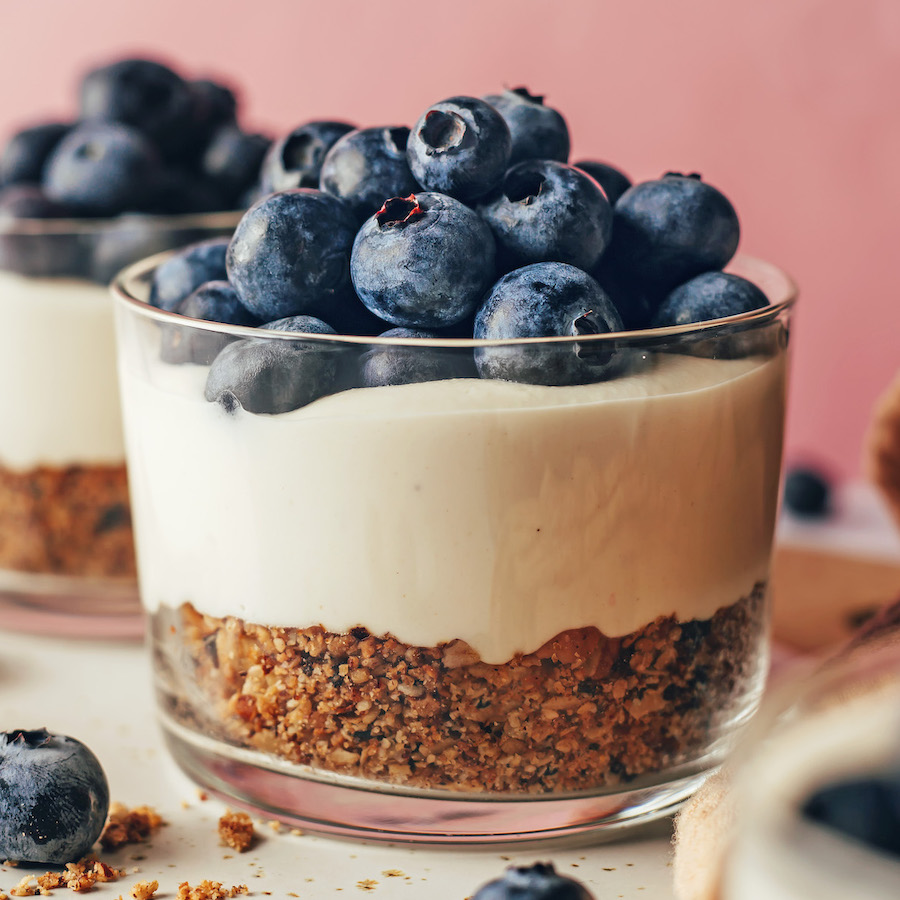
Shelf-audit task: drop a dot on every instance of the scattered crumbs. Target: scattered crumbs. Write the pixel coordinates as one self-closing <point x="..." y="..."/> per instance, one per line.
<point x="185" y="804"/>
<point x="582" y="858"/>
<point x="236" y="831"/>
<point x="297" y="832"/>
<point x="394" y="873"/>
<point x="202" y="796"/>
<point x="259" y="873"/>
<point x="134" y="870"/>
<point x="611" y="869"/>
<point x="144" y="890"/>
<point x="367" y="884"/>
<point x="138" y="857"/>
<point x="506" y="858"/>
<point x="78" y="877"/>
<point x="275" y="826"/>
<point x="209" y="890"/>
<point x="171" y="865"/>
<point x="227" y="856"/>
<point x="574" y="865"/>
<point x="3" y="896"/>
<point x="641" y="888"/>
<point x="629" y="864"/>
<point x="129" y="826"/>
<point x="292" y="894"/>
<point x="309" y="879"/>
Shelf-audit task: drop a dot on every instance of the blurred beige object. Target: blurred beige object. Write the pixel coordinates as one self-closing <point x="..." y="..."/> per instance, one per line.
<point x="741" y="836"/>
<point x="820" y="598"/>
<point x="882" y="446"/>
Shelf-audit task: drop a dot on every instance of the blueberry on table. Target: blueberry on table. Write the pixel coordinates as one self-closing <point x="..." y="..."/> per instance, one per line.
<point x="423" y="261"/>
<point x="537" y="131"/>
<point x="865" y="809"/>
<point x="102" y="169"/>
<point x="144" y="94"/>
<point x="547" y="211"/>
<point x="183" y="272"/>
<point x="461" y="147"/>
<point x="547" y="300"/>
<point x="613" y="181"/>
<point x="537" y="882"/>
<point x="290" y="253"/>
<point x="54" y="798"/>
<point x="394" y="364"/>
<point x="214" y="301"/>
<point x="367" y="166"/>
<point x="23" y="157"/>
<point x="807" y="492"/>
<point x="295" y="160"/>
<point x="668" y="230"/>
<point x="274" y="376"/>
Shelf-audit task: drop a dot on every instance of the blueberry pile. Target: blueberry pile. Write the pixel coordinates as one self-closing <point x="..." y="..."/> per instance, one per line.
<point x="145" y="140"/>
<point x="54" y="798"/>
<point x="469" y="224"/>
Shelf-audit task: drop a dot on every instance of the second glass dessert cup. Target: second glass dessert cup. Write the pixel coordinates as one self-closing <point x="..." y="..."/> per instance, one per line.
<point x="66" y="546"/>
<point x="457" y="609"/>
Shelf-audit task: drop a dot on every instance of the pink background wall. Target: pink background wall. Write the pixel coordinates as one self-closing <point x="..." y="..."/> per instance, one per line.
<point x="791" y="107"/>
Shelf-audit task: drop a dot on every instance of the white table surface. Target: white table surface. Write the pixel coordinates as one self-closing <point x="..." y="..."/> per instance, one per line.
<point x="100" y="693"/>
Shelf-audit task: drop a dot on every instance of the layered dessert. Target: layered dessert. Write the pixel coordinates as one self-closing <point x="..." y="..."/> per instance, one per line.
<point x="463" y="487"/>
<point x="153" y="161"/>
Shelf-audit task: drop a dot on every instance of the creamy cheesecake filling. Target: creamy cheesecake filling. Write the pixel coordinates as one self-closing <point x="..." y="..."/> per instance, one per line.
<point x="59" y="403"/>
<point x="494" y="513"/>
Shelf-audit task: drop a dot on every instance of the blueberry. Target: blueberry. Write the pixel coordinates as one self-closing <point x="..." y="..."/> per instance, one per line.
<point x="183" y="272"/>
<point x="613" y="181"/>
<point x="866" y="809"/>
<point x="423" y="261"/>
<point x="547" y="211"/>
<point x="537" y="882"/>
<point x="25" y="153"/>
<point x="54" y="798"/>
<point x="537" y="131"/>
<point x="459" y="147"/>
<point x="213" y="106"/>
<point x="145" y="95"/>
<point x="712" y="295"/>
<point x="214" y="301"/>
<point x="367" y="166"/>
<point x="101" y="170"/>
<point x="232" y="161"/>
<point x="667" y="231"/>
<point x="636" y="302"/>
<point x="179" y="191"/>
<point x="274" y="376"/>
<point x="290" y="254"/>
<point x="28" y="201"/>
<point x="295" y="160"/>
<point x="393" y="364"/>
<point x="547" y="300"/>
<point x="807" y="492"/>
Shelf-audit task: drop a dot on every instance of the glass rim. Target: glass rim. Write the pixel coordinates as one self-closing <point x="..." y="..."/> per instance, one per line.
<point x="121" y="288"/>
<point x="31" y="227"/>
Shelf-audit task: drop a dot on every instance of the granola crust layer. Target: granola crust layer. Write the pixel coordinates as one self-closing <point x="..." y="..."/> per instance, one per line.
<point x="584" y="711"/>
<point x="72" y="520"/>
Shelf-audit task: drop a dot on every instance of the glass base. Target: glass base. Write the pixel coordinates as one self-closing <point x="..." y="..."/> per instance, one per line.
<point x="70" y="606"/>
<point x="343" y="806"/>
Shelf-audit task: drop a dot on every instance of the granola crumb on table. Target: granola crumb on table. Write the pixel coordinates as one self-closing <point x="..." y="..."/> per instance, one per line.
<point x="236" y="830"/>
<point x="209" y="890"/>
<point x="129" y="826"/>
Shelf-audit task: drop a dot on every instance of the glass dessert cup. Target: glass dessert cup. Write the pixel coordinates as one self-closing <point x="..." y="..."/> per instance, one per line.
<point x="808" y="823"/>
<point x="462" y="609"/>
<point x="66" y="546"/>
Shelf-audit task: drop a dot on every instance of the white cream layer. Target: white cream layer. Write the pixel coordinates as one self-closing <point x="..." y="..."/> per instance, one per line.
<point x="493" y="512"/>
<point x="59" y="397"/>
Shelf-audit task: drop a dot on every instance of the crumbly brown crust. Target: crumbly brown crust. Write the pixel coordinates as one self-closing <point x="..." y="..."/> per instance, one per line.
<point x="144" y="890"/>
<point x="583" y="711"/>
<point x="129" y="826"/>
<point x="236" y="831"/>
<point x="73" y="520"/>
